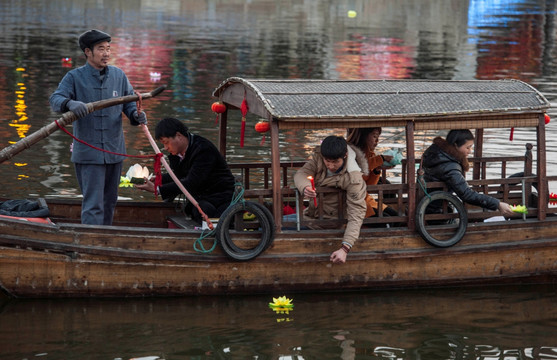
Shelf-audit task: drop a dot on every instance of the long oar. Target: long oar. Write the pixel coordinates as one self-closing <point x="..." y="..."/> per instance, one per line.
<point x="175" y="178"/>
<point x="66" y="119"/>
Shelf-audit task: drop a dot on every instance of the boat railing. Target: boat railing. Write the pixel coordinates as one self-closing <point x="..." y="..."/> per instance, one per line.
<point x="517" y="189"/>
<point x="259" y="173"/>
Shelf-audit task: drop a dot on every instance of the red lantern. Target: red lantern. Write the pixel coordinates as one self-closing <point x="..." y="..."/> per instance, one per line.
<point x="547" y="119"/>
<point x="218" y="107"/>
<point x="67" y="62"/>
<point x="262" y="127"/>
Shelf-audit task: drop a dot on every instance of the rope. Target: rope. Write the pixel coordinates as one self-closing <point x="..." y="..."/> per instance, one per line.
<point x="198" y="244"/>
<point x="99" y="149"/>
<point x="422" y="182"/>
<point x="156" y="157"/>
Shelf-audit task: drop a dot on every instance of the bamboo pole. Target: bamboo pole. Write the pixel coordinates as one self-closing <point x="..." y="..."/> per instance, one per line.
<point x="68" y="118"/>
<point x="175" y="178"/>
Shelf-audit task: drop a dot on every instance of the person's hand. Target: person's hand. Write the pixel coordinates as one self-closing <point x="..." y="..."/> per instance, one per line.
<point x="140" y="117"/>
<point x="387" y="158"/>
<point x="339" y="256"/>
<point x="78" y="108"/>
<point x="309" y="192"/>
<point x="147" y="186"/>
<point x="505" y="209"/>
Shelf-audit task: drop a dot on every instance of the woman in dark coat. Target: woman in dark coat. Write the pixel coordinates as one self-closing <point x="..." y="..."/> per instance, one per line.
<point x="446" y="160"/>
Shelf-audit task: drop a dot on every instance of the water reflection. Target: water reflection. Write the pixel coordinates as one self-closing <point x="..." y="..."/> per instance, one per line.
<point x="192" y="46"/>
<point x="503" y="323"/>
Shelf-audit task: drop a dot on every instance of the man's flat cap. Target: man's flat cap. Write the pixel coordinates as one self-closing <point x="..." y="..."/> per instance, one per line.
<point x="89" y="38"/>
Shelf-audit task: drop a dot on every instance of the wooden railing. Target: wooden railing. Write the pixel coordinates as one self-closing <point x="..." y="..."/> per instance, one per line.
<point x="256" y="180"/>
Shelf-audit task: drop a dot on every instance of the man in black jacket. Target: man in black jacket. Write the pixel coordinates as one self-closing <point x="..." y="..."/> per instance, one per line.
<point x="199" y="166"/>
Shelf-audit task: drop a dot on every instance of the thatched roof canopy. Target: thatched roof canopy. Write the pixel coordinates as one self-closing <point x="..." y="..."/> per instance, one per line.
<point x="359" y="103"/>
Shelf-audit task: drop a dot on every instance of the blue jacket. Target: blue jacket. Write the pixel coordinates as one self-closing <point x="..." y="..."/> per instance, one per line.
<point x="102" y="128"/>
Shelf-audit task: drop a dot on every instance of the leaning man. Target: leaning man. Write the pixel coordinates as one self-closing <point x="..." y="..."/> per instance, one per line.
<point x="199" y="166"/>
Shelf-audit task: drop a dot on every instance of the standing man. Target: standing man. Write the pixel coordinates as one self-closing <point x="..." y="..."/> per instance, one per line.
<point x="98" y="172"/>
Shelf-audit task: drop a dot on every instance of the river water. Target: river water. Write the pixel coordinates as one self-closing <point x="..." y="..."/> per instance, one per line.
<point x="192" y="46"/>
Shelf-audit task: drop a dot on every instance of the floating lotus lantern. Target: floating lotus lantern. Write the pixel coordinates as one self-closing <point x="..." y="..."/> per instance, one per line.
<point x="281" y="305"/>
<point x="135" y="175"/>
<point x="155" y="76"/>
<point x="67" y="62"/>
<point x="519" y="209"/>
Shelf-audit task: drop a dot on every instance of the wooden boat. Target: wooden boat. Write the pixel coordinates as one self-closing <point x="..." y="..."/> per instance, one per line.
<point x="151" y="250"/>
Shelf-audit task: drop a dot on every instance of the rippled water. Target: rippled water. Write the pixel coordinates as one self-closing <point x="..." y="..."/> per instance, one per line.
<point x="505" y="323"/>
<point x="194" y="45"/>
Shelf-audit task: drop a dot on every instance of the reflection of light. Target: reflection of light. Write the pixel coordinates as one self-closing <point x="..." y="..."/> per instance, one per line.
<point x="20" y="108"/>
<point x="377" y="58"/>
<point x="21" y="129"/>
<point x="20" y="125"/>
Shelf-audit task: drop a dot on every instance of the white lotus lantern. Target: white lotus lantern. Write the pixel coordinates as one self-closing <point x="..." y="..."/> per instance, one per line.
<point x="135" y="175"/>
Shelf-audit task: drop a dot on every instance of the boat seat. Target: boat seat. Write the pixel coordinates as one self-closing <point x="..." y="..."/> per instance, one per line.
<point x="179" y="221"/>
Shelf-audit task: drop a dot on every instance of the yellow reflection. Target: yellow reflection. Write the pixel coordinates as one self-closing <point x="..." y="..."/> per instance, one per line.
<point x="20" y="123"/>
<point x="21" y="129"/>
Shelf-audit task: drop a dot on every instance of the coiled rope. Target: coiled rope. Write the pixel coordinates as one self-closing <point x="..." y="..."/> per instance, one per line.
<point x="238" y="196"/>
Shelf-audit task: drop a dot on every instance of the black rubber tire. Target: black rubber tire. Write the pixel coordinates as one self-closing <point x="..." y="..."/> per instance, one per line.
<point x="271" y="222"/>
<point x="421" y="225"/>
<point x="224" y="236"/>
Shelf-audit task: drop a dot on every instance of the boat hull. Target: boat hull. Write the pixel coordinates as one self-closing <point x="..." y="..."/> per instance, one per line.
<point x="38" y="260"/>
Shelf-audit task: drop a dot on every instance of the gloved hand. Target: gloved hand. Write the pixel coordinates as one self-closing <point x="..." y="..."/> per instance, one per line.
<point x="77" y="107"/>
<point x="140" y="117"/>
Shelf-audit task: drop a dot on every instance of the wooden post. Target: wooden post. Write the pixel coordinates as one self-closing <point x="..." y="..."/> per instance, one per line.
<point x="222" y="132"/>
<point x="478" y="153"/>
<point x="411" y="173"/>
<point x="542" y="179"/>
<point x="527" y="189"/>
<point x="275" y="177"/>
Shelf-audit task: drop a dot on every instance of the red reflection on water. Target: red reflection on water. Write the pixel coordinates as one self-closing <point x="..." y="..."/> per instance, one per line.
<point x="516" y="54"/>
<point x="378" y="58"/>
<point x="146" y="59"/>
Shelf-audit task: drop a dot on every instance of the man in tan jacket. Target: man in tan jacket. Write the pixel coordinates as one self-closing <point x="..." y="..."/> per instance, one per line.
<point x="335" y="164"/>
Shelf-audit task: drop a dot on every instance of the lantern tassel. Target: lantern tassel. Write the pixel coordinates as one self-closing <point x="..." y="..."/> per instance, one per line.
<point x="262" y="140"/>
<point x="242" y="131"/>
<point x="511" y="136"/>
<point x="244" y="108"/>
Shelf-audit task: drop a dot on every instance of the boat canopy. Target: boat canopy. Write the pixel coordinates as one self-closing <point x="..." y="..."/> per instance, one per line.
<point x="430" y="104"/>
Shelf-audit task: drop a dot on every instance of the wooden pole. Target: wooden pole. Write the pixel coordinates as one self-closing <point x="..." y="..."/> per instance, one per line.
<point x="175" y="178"/>
<point x="68" y="118"/>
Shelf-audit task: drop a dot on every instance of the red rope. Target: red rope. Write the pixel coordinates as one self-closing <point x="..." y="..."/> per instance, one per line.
<point x="156" y="157"/>
<point x="97" y="148"/>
